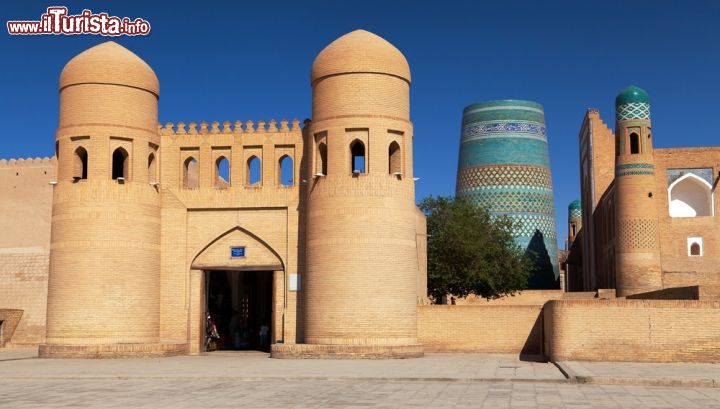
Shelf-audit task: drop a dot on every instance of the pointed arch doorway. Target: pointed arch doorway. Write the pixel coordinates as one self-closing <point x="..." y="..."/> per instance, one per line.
<point x="242" y="290"/>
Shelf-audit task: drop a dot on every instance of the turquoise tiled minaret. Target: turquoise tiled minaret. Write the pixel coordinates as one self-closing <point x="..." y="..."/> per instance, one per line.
<point x="504" y="166"/>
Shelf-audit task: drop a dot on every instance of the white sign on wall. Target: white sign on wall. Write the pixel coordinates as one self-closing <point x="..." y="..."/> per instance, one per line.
<point x="294" y="282"/>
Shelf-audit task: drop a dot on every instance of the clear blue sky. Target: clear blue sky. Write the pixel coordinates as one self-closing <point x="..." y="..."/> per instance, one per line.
<point x="251" y="60"/>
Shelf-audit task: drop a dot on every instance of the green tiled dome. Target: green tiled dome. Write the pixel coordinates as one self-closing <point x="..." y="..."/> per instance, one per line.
<point x="575" y="204"/>
<point x="632" y="94"/>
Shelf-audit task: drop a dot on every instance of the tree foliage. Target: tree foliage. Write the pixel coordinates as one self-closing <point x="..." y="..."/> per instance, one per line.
<point x="470" y="252"/>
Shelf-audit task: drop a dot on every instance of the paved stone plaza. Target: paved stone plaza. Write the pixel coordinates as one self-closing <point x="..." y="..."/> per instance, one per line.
<point x="251" y="380"/>
<point x="157" y="393"/>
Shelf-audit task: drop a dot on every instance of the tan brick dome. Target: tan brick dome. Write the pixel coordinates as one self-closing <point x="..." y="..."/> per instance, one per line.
<point x="109" y="63"/>
<point x="360" y="51"/>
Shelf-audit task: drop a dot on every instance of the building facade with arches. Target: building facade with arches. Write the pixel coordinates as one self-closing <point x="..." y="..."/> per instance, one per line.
<point x="648" y="214"/>
<point x="303" y="239"/>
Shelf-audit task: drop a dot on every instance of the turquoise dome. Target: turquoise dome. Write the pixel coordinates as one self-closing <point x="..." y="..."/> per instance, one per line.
<point x="632" y="94"/>
<point x="575" y="204"/>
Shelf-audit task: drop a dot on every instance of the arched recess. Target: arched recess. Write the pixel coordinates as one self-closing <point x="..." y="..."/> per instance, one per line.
<point x="286" y="166"/>
<point x="222" y="172"/>
<point x="120" y="164"/>
<point x="322" y="158"/>
<point x="394" y="159"/>
<point x="634" y="143"/>
<point x="80" y="163"/>
<point x="254" y="171"/>
<point x="152" y="168"/>
<point x="690" y="196"/>
<point x="357" y="157"/>
<point x="695" y="249"/>
<point x="259" y="255"/>
<point x="190" y="173"/>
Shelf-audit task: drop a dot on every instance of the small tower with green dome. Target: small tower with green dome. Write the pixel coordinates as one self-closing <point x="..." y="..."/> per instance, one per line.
<point x="637" y="251"/>
<point x="574" y="221"/>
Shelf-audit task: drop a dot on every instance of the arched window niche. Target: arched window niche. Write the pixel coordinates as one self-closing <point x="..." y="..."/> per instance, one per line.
<point x="634" y="143"/>
<point x="222" y="172"/>
<point x="690" y="196"/>
<point x="190" y="173"/>
<point x="120" y="164"/>
<point x="286" y="177"/>
<point x="357" y="156"/>
<point x="322" y="158"/>
<point x="254" y="172"/>
<point x="80" y="164"/>
<point x="394" y="159"/>
<point x="695" y="246"/>
<point x="152" y="168"/>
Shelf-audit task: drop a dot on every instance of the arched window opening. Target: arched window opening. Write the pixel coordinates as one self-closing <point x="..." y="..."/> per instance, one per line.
<point x="694" y="249"/>
<point x="690" y="196"/>
<point x="190" y="173"/>
<point x="152" y="168"/>
<point x="222" y="172"/>
<point x="357" y="156"/>
<point x="120" y="164"/>
<point x="254" y="172"/>
<point x="634" y="143"/>
<point x="322" y="158"/>
<point x="80" y="164"/>
<point x="574" y="230"/>
<point x="286" y="171"/>
<point x="57" y="150"/>
<point x="394" y="162"/>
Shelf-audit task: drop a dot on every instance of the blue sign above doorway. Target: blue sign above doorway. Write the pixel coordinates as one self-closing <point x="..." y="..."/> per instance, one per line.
<point x="237" y="251"/>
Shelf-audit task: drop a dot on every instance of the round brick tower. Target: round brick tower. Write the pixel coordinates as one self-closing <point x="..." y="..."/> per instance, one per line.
<point x="103" y="290"/>
<point x="360" y="286"/>
<point x="637" y="261"/>
<point x="504" y="166"/>
<point x="574" y="221"/>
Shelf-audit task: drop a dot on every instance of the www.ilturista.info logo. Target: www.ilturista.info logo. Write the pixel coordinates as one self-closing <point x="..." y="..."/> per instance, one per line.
<point x="57" y="21"/>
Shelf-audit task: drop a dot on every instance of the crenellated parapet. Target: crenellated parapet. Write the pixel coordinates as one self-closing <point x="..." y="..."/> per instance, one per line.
<point x="237" y="127"/>
<point x="19" y="162"/>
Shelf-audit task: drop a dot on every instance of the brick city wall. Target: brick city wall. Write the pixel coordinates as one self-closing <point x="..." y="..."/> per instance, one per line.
<point x="525" y="297"/>
<point x="9" y="319"/>
<point x="23" y="286"/>
<point x="632" y="330"/>
<point x="25" y="207"/>
<point x="515" y="329"/>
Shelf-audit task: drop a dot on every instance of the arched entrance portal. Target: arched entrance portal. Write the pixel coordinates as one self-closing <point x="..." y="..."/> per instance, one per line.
<point x="242" y="291"/>
<point x="240" y="306"/>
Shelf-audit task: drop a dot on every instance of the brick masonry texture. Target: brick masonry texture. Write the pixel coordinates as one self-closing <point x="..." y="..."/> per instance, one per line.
<point x="632" y="330"/>
<point x="513" y="329"/>
<point x="26" y="209"/>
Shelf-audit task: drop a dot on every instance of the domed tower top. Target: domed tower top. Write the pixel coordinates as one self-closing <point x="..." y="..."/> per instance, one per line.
<point x="632" y="103"/>
<point x="574" y="210"/>
<point x="110" y="63"/>
<point x="575" y="205"/>
<point x="360" y="52"/>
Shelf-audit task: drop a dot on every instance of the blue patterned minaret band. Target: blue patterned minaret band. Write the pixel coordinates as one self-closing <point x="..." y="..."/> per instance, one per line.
<point x="504" y="166"/>
<point x="575" y="210"/>
<point x="632" y="103"/>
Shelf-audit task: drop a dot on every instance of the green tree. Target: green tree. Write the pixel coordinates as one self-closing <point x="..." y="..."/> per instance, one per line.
<point x="470" y="252"/>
